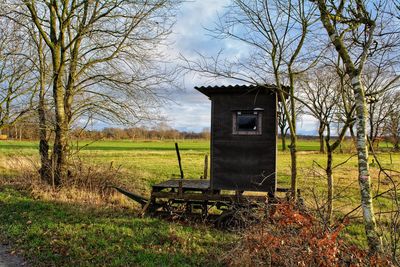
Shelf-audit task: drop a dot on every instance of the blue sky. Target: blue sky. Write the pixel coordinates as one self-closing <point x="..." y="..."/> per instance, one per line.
<point x="191" y="110"/>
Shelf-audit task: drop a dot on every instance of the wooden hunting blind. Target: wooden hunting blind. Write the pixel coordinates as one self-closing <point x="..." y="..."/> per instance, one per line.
<point x="243" y="158"/>
<point x="243" y="137"/>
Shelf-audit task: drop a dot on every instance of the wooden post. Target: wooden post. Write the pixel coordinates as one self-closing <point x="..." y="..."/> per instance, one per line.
<point x="179" y="159"/>
<point x="205" y="174"/>
<point x="180" y="168"/>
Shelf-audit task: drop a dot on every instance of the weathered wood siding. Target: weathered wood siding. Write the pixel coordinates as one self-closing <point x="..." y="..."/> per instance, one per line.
<point x="241" y="162"/>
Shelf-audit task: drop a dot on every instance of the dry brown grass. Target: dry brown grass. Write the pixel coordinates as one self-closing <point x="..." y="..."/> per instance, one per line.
<point x="85" y="184"/>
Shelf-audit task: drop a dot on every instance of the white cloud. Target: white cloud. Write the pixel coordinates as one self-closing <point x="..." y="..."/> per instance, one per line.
<point x="191" y="110"/>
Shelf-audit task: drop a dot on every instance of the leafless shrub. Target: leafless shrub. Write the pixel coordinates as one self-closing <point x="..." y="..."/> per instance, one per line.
<point x="96" y="179"/>
<point x="240" y="218"/>
<point x="317" y="191"/>
<point x="85" y="183"/>
<point x="289" y="237"/>
<point x="388" y="209"/>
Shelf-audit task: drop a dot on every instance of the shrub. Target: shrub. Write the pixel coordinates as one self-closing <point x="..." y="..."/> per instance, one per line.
<point x="290" y="237"/>
<point x="85" y="183"/>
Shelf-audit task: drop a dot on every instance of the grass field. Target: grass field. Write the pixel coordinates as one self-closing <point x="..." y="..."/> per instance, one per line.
<point x="59" y="234"/>
<point x="50" y="232"/>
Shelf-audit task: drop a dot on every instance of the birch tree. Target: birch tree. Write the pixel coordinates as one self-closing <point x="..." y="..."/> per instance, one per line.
<point x="352" y="20"/>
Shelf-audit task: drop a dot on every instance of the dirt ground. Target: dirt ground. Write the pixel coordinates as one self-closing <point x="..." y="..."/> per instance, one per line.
<point x="9" y="260"/>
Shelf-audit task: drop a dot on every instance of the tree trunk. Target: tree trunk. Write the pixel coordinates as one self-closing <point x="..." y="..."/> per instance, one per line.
<point x="292" y="128"/>
<point x="321" y="144"/>
<point x="396" y="145"/>
<point x="321" y="138"/>
<point x="374" y="241"/>
<point x="45" y="167"/>
<point x="353" y="135"/>
<point x="330" y="148"/>
<point x="371" y="126"/>
<point x="293" y="157"/>
<point x="61" y="128"/>
<point x="283" y="139"/>
<point x="293" y="137"/>
<point x="60" y="142"/>
<point x="45" y="162"/>
<point x="329" y="176"/>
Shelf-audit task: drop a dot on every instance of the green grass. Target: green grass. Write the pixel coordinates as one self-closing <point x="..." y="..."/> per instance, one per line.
<point x="118" y="237"/>
<point x="146" y="145"/>
<point x="197" y="145"/>
<point x="12" y="145"/>
<point x="144" y="163"/>
<point x="57" y="234"/>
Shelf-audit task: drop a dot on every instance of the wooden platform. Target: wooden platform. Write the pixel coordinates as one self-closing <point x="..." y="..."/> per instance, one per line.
<point x="187" y="184"/>
<point x="194" y="190"/>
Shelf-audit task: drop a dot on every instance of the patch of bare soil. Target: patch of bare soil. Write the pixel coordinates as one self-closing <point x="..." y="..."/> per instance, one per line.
<point x="7" y="259"/>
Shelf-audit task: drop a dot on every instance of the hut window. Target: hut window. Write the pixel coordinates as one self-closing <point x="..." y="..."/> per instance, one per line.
<point x="247" y="123"/>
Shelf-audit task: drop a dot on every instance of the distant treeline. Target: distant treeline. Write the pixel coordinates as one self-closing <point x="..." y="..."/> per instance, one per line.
<point x="31" y="132"/>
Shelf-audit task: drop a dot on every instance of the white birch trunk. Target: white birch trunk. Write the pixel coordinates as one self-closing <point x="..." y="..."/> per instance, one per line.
<point x="364" y="178"/>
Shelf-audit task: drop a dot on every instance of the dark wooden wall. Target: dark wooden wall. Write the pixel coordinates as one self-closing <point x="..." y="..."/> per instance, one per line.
<point x="241" y="162"/>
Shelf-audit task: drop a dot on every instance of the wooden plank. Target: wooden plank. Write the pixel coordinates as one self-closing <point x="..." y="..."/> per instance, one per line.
<point x="186" y="184"/>
<point x="208" y="197"/>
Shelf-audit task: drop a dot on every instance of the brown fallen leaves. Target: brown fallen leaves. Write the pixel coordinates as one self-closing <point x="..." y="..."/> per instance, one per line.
<point x="289" y="237"/>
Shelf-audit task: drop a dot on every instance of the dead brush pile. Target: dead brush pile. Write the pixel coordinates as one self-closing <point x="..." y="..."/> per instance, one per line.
<point x="290" y="237"/>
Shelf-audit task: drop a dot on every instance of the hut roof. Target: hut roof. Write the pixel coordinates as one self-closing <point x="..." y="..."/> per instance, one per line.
<point x="237" y="89"/>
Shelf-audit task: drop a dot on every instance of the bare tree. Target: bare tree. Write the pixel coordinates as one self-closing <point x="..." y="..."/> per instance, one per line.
<point x="379" y="107"/>
<point x="283" y="124"/>
<point x="392" y="121"/>
<point x="353" y="21"/>
<point x="103" y="59"/>
<point x="45" y="120"/>
<point x="16" y="80"/>
<point x="380" y="81"/>
<point x="320" y="91"/>
<point x="276" y="32"/>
